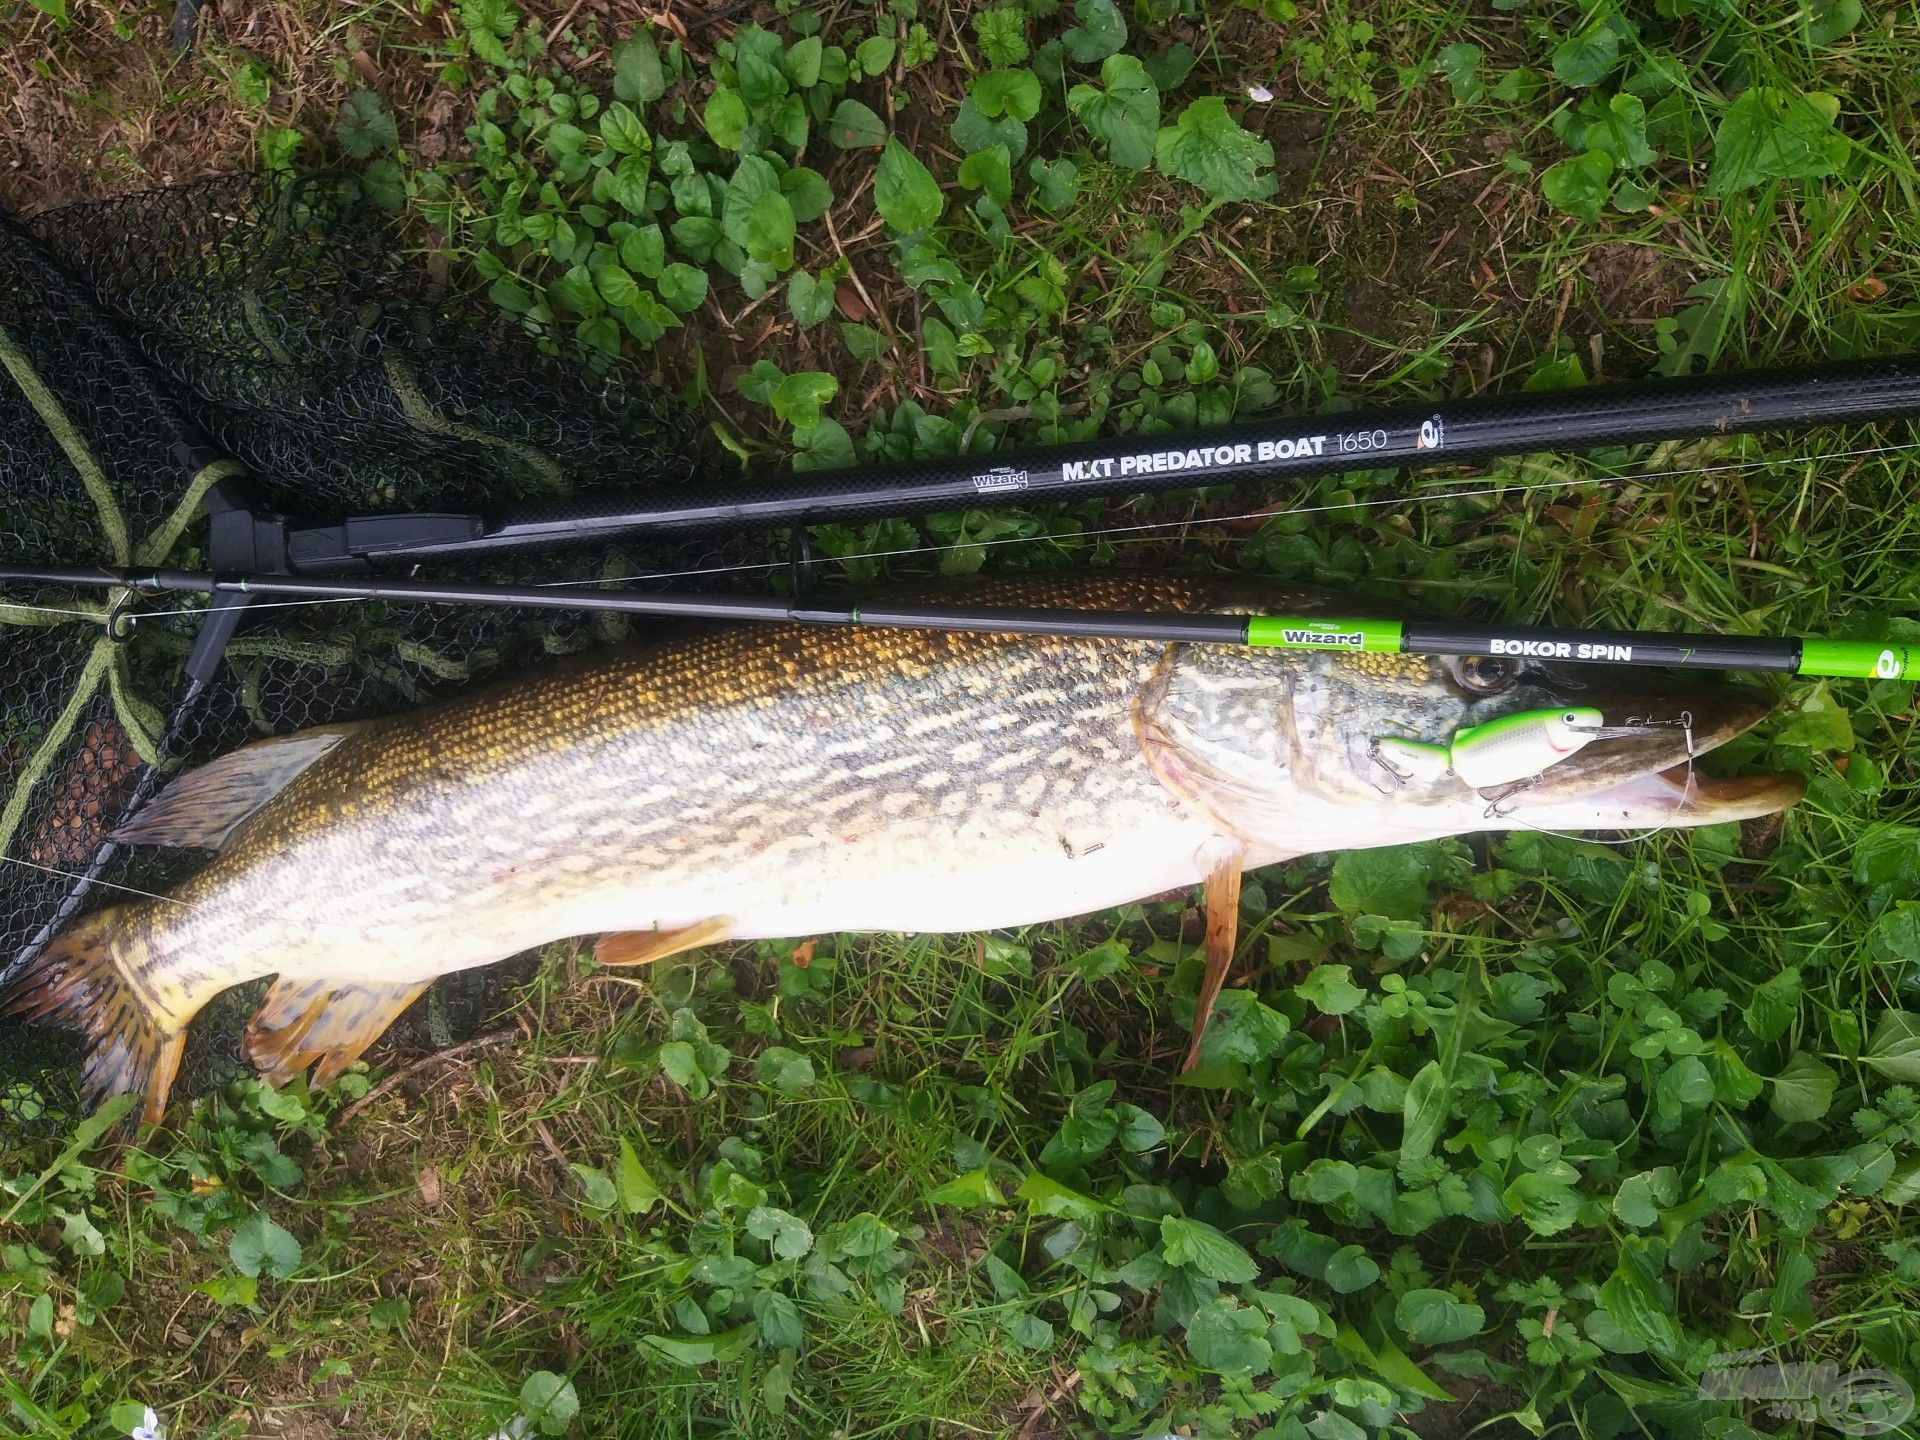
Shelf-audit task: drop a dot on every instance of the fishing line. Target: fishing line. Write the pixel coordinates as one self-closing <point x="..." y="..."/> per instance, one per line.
<point x="89" y="880"/>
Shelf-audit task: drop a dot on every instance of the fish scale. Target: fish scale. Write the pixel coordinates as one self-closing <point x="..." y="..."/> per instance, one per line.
<point x="743" y="783"/>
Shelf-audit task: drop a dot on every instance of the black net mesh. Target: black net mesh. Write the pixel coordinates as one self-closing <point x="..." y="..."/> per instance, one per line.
<point x="147" y="341"/>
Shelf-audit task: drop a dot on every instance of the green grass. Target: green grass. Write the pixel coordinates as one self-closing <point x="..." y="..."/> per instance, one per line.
<point x="1512" y="1134"/>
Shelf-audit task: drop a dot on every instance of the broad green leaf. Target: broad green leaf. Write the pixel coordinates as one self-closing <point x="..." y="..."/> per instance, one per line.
<point x="1028" y="1331"/>
<point x="365" y="129"/>
<point x="802" y="61"/>
<point x="1003" y="35"/>
<point x="597" y="1186"/>
<point x="1775" y="1002"/>
<point x="778" y="1319"/>
<point x="854" y="126"/>
<point x="1171" y="65"/>
<point x="904" y="191"/>
<point x="725" y="117"/>
<point x="785" y="1069"/>
<point x="989" y="171"/>
<point x="260" y="1246"/>
<point x="1350" y="1268"/>
<point x="1684" y="1085"/>
<point x="549" y="1402"/>
<point x="1769" y="134"/>
<point x="623" y="132"/>
<point x="1896" y="933"/>
<point x="1605" y="1332"/>
<point x="976" y="1187"/>
<point x="1390" y="880"/>
<point x="1819" y="722"/>
<point x="1008" y="92"/>
<point x="753" y="180"/>
<point x="1056" y="183"/>
<point x="770" y="231"/>
<point x="1894" y="1049"/>
<point x="1460" y="64"/>
<point x="1123" y="110"/>
<point x="1435" y="1317"/>
<point x="1424" y="1110"/>
<point x="864" y="342"/>
<point x="638" y="76"/>
<point x="692" y="1351"/>
<point x="613" y="282"/>
<point x="763" y="84"/>
<point x="1046" y="1196"/>
<point x="874" y="55"/>
<point x="1641" y="1197"/>
<point x="807" y="192"/>
<point x="1580" y="186"/>
<point x="799" y="398"/>
<point x="1140" y="1130"/>
<point x="1547" y="1203"/>
<point x="1206" y="147"/>
<point x="1244" y="1028"/>
<point x="973" y="131"/>
<point x="1196" y="1244"/>
<point x="1620" y="129"/>
<point x="786" y="1235"/>
<point x="1829" y="20"/>
<point x="1638" y="1308"/>
<point x="1229" y="1338"/>
<point x="1585" y="59"/>
<point x="636" y="1188"/>
<point x="865" y="1235"/>
<point x="1330" y="990"/>
<point x="1803" y="1090"/>
<point x="1100" y="32"/>
<point x="683" y="287"/>
<point x="809" y="299"/>
<point x="681" y="1063"/>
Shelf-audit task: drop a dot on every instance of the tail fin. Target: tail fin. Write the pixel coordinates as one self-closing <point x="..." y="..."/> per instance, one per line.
<point x="81" y="981"/>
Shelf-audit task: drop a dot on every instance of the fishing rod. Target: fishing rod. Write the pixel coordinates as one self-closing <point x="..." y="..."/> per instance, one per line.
<point x="1806" y="656"/>
<point x="1408" y="436"/>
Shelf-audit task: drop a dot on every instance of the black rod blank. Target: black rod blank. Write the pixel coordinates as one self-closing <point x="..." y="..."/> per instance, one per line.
<point x="1407" y="436"/>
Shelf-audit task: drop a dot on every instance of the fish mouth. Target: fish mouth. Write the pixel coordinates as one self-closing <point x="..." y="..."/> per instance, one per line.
<point x="1651" y="778"/>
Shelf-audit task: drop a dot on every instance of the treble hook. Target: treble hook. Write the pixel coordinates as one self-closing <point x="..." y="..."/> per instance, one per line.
<point x="1497" y="797"/>
<point x="1398" y="777"/>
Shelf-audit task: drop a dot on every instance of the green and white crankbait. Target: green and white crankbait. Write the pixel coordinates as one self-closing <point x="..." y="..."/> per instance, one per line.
<point x="1504" y="751"/>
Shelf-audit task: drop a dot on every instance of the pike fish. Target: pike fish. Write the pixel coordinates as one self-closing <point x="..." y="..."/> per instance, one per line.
<point x="750" y="782"/>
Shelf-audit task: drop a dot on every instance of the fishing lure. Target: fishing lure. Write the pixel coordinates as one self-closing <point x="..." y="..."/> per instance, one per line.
<point x="1502" y="751"/>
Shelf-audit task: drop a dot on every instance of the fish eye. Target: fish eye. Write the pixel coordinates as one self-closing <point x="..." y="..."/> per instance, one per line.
<point x="1484" y="674"/>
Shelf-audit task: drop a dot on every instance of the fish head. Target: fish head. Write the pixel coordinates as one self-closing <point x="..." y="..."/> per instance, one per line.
<point x="1303" y="751"/>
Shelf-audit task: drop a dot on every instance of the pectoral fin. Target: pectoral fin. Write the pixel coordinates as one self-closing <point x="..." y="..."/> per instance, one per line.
<point x="202" y="809"/>
<point x="1223" y="928"/>
<point x="643" y="947"/>
<point x="303" y="1023"/>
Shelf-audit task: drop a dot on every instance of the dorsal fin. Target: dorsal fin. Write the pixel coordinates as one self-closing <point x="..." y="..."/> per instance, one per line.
<point x="203" y="808"/>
